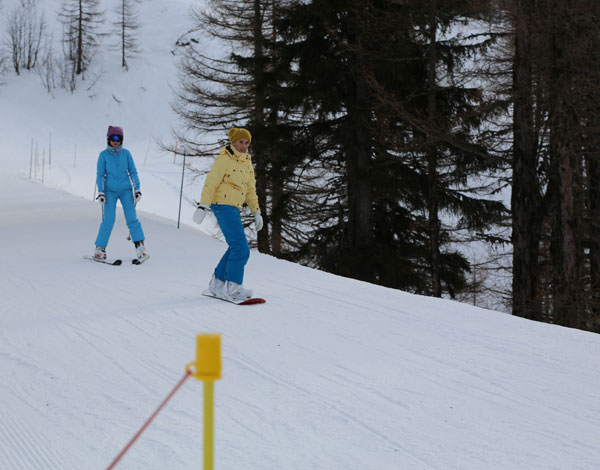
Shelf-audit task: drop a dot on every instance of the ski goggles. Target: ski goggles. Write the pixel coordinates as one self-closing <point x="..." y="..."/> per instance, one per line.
<point x="115" y="138"/>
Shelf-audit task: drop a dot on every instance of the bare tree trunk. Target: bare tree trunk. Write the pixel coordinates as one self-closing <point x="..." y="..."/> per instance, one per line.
<point x="360" y="196"/>
<point x="123" y="61"/>
<point x="594" y="228"/>
<point x="432" y="170"/>
<point x="259" y="120"/>
<point x="565" y="157"/>
<point x="276" y="212"/>
<point x="79" y="68"/>
<point x="359" y="227"/>
<point x="526" y="197"/>
<point x="592" y="156"/>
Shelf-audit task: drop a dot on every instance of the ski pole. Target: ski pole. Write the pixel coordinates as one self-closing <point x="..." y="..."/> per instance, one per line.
<point x="134" y="203"/>
<point x="181" y="190"/>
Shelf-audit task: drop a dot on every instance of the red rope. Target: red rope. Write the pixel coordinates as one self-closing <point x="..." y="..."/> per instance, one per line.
<point x="139" y="433"/>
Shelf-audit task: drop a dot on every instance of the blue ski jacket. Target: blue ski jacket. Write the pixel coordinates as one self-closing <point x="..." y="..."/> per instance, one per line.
<point x="116" y="171"/>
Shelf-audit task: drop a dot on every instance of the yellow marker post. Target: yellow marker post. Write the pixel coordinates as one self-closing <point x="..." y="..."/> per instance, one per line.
<point x="208" y="369"/>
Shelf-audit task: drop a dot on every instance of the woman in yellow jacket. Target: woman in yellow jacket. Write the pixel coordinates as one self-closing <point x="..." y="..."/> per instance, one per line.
<point x="229" y="184"/>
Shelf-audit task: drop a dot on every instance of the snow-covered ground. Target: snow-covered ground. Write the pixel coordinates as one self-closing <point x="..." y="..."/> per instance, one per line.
<point x="330" y="373"/>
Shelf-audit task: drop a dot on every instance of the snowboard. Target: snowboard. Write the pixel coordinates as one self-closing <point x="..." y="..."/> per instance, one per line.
<point x="113" y="262"/>
<point x="251" y="301"/>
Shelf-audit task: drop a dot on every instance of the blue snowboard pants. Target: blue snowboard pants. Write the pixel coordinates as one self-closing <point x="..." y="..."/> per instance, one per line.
<point x="110" y="208"/>
<point x="231" y="266"/>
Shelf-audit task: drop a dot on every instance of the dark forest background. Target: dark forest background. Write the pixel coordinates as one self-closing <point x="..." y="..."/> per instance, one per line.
<point x="387" y="135"/>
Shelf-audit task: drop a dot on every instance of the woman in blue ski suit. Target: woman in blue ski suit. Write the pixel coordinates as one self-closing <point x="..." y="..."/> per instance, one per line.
<point x="117" y="178"/>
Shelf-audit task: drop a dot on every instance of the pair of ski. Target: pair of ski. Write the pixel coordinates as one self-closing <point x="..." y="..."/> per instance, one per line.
<point x="251" y="301"/>
<point x="117" y="262"/>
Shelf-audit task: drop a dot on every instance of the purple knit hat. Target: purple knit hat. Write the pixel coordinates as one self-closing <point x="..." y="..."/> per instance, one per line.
<point x="114" y="130"/>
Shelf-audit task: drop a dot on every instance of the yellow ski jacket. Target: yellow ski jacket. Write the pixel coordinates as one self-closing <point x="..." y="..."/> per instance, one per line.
<point x="231" y="180"/>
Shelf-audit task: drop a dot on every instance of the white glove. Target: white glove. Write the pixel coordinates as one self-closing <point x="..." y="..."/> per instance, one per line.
<point x="258" y="221"/>
<point x="201" y="211"/>
<point x="100" y="198"/>
<point x="137" y="196"/>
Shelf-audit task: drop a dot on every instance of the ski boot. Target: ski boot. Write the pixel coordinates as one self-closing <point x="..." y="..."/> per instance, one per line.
<point x="216" y="286"/>
<point x="140" y="251"/>
<point x="237" y="292"/>
<point x="100" y="253"/>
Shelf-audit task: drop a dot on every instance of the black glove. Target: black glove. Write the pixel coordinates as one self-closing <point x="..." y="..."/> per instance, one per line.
<point x="101" y="199"/>
<point x="137" y="196"/>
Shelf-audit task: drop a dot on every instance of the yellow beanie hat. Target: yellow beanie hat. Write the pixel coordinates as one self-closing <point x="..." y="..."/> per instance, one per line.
<point x="236" y="134"/>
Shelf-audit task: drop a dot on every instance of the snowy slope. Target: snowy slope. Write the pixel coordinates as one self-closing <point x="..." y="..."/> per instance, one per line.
<point x="330" y="374"/>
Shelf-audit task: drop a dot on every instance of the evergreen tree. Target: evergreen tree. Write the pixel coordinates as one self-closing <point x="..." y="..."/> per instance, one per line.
<point x="361" y="75"/>
<point x="453" y="145"/>
<point x="223" y="91"/>
<point x="555" y="188"/>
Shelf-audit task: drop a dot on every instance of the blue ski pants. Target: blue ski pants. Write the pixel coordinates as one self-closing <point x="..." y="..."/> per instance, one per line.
<point x="231" y="266"/>
<point x="110" y="209"/>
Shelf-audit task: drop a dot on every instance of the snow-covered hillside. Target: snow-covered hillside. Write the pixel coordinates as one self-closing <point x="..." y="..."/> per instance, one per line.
<point x="70" y="128"/>
<point x="330" y="373"/>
